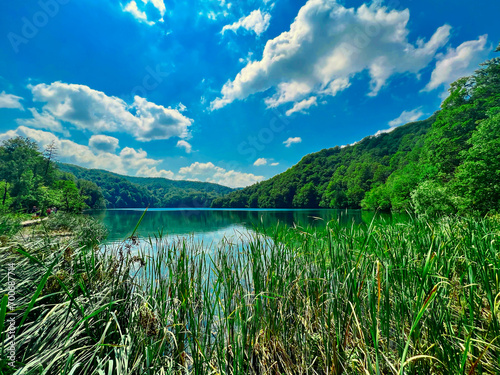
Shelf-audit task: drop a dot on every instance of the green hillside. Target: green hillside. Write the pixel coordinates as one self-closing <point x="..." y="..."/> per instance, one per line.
<point x="126" y="192"/>
<point x="447" y="163"/>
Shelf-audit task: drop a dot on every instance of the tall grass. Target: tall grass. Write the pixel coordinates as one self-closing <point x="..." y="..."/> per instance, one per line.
<point x="420" y="297"/>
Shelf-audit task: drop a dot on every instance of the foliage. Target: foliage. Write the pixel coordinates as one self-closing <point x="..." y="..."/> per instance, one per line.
<point x="341" y="177"/>
<point x="419" y="297"/>
<point x="9" y="225"/>
<point x="133" y="192"/>
<point x="432" y="199"/>
<point x="478" y="177"/>
<point x="30" y="178"/>
<point x="86" y="231"/>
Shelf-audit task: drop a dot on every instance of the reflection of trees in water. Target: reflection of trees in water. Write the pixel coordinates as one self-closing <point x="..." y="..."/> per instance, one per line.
<point x="121" y="222"/>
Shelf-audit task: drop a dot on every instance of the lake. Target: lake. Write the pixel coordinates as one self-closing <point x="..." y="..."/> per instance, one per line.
<point x="211" y="225"/>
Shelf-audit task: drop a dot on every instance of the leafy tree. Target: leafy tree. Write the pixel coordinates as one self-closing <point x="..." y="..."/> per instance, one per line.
<point x="306" y="197"/>
<point x="30" y="178"/>
<point x="71" y="200"/>
<point x="92" y="193"/>
<point x="478" y="178"/>
<point x="432" y="199"/>
<point x="5" y="199"/>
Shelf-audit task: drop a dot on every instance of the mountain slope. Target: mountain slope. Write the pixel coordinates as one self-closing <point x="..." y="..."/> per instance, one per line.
<point x="446" y="164"/>
<point x="127" y="192"/>
<point x="336" y="177"/>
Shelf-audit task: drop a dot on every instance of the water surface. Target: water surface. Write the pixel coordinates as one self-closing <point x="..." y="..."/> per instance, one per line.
<point x="211" y="225"/>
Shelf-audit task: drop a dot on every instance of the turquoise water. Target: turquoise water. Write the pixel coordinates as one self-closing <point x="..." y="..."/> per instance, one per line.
<point x="211" y="225"/>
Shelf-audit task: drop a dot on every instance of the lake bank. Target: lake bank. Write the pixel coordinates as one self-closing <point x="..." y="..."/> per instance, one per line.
<point x="414" y="297"/>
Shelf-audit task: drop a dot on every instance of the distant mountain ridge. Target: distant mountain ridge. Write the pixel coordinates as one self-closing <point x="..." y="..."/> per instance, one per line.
<point x="122" y="191"/>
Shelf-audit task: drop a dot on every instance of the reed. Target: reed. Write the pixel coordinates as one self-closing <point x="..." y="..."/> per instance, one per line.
<point x="419" y="297"/>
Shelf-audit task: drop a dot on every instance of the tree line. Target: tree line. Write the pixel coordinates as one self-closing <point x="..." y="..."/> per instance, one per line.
<point x="121" y="191"/>
<point x="30" y="181"/>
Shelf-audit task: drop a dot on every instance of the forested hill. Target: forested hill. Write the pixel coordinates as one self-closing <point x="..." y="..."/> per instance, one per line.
<point x="446" y="164"/>
<point x="126" y="191"/>
<point x="337" y="177"/>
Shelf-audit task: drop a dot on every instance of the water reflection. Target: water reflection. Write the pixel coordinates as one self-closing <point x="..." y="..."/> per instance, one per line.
<point x="212" y="225"/>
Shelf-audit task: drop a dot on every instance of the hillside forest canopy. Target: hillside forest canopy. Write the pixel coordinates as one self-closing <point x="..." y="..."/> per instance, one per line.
<point x="448" y="163"/>
<point x="32" y="180"/>
<point x="29" y="178"/>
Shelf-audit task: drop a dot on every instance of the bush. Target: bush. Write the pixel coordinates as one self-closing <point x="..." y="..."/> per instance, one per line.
<point x="430" y="199"/>
<point x="9" y="225"/>
<point x="87" y="230"/>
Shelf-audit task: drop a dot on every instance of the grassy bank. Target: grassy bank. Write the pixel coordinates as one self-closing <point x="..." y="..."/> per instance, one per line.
<point x="415" y="298"/>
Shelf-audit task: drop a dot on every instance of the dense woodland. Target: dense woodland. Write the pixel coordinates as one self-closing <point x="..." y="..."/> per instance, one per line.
<point x="446" y="164"/>
<point x="29" y="177"/>
<point x="126" y="191"/>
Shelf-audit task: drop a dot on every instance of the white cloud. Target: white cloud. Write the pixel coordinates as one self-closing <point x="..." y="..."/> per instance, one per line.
<point x="128" y="161"/>
<point x="95" y="111"/>
<point x="214" y="9"/>
<point x="181" y="107"/>
<point x="153" y="172"/>
<point x="138" y="14"/>
<point x="42" y="120"/>
<point x="260" y="161"/>
<point x="302" y="106"/>
<point x="404" y="118"/>
<point x="256" y="21"/>
<point x="141" y="15"/>
<point x="103" y="143"/>
<point x="10" y="101"/>
<point x="274" y="164"/>
<point x="458" y="62"/>
<point x="290" y="141"/>
<point x="185" y="145"/>
<point x="208" y="172"/>
<point x="158" y="4"/>
<point x="326" y="46"/>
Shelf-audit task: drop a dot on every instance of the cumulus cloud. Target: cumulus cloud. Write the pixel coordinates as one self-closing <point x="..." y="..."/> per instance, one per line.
<point x="458" y="62"/>
<point x="302" y="106"/>
<point x="274" y="164"/>
<point x="141" y="15"/>
<point x="208" y="172"/>
<point x="260" y="161"/>
<point x="103" y="143"/>
<point x="93" y="110"/>
<point x="42" y="120"/>
<point x="326" y="46"/>
<point x="256" y="21"/>
<point x="10" y="101"/>
<point x="145" y="171"/>
<point x="290" y="141"/>
<point x="185" y="145"/>
<point x="404" y="118"/>
<point x="128" y="161"/>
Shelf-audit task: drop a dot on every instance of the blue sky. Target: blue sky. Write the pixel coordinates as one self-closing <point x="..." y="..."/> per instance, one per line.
<point x="224" y="91"/>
